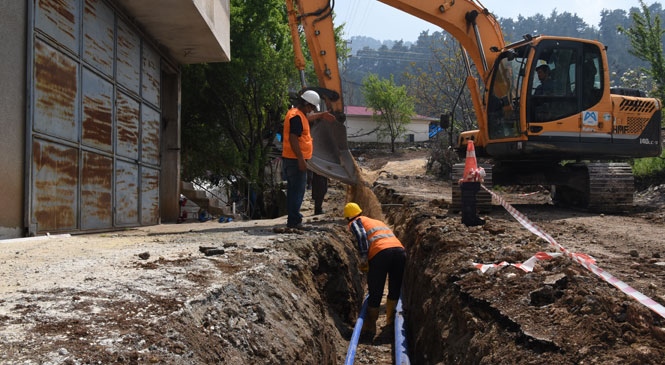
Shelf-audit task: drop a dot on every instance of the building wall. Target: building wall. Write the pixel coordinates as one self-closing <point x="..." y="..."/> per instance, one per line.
<point x="361" y="129"/>
<point x="94" y="120"/>
<point x="90" y="109"/>
<point x="12" y="116"/>
<point x="169" y="187"/>
<point x="420" y="130"/>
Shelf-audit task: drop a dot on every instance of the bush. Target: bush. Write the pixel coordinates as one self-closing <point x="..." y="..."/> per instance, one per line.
<point x="649" y="171"/>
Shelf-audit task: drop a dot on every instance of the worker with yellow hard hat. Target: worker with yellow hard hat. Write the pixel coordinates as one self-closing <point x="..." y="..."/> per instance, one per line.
<point x="381" y="254"/>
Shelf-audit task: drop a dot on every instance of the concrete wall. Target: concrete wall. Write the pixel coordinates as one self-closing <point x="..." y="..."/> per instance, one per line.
<point x="12" y="116"/>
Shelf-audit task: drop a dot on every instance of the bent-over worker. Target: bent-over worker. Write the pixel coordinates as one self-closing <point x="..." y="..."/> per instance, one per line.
<point x="382" y="254"/>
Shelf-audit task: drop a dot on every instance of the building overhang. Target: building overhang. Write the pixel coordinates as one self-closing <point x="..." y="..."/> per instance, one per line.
<point x="191" y="31"/>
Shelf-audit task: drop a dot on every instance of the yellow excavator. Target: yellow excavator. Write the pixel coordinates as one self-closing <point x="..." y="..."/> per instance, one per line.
<point x="568" y="129"/>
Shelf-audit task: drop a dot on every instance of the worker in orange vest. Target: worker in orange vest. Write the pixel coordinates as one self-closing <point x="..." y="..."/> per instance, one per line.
<point x="297" y="148"/>
<point x="381" y="254"/>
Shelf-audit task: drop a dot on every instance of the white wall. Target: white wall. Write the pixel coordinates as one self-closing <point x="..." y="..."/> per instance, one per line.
<point x="358" y="127"/>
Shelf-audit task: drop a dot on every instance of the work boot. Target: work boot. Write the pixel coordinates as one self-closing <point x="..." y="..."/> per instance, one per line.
<point x="369" y="324"/>
<point x="318" y="210"/>
<point x="391" y="304"/>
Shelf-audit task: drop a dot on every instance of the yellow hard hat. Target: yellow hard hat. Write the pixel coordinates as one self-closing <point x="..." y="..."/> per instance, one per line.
<point x="351" y="210"/>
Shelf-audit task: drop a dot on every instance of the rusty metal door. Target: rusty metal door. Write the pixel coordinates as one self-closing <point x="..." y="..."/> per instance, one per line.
<point x="93" y="141"/>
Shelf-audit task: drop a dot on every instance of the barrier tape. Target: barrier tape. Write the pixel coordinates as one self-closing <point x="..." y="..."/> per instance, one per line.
<point x="526" y="266"/>
<point x="585" y="260"/>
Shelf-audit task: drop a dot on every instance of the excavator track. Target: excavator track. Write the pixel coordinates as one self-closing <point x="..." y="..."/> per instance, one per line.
<point x="603" y="187"/>
<point x="484" y="199"/>
<point x="611" y="187"/>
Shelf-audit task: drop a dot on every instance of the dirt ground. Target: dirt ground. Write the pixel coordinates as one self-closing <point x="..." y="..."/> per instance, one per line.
<point x="242" y="293"/>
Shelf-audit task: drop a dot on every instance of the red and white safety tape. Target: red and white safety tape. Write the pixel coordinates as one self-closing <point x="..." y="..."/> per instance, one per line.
<point x="526" y="265"/>
<point x="585" y="260"/>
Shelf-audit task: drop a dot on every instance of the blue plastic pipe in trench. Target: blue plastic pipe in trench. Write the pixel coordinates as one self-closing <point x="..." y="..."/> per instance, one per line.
<point x="353" y="345"/>
<point x="401" y="355"/>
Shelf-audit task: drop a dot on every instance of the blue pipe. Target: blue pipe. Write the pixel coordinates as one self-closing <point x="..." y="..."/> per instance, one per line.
<point x="351" y="352"/>
<point x="401" y="355"/>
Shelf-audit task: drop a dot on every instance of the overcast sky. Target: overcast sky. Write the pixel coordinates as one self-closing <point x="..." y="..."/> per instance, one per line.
<point x="374" y="19"/>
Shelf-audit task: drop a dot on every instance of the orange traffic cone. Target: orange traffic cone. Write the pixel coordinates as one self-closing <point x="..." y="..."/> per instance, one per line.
<point x="470" y="165"/>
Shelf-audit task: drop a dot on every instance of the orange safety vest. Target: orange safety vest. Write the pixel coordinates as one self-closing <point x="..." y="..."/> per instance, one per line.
<point x="379" y="235"/>
<point x="304" y="141"/>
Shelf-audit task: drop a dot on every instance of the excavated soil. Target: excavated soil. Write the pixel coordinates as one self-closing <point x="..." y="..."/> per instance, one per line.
<point x="244" y="293"/>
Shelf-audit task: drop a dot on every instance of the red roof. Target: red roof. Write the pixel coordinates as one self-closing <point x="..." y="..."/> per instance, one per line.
<point x="357" y="110"/>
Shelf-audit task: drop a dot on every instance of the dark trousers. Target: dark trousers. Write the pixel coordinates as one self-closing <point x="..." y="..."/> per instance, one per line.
<point x="296" y="182"/>
<point x="319" y="190"/>
<point x="389" y="262"/>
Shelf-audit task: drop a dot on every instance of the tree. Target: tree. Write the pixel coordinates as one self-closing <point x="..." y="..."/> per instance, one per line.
<point x="392" y="107"/>
<point x="646" y="37"/>
<point x="232" y="111"/>
<point x="637" y="80"/>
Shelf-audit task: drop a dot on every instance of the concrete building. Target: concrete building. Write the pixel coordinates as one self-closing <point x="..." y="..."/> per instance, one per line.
<point x="90" y="110"/>
<point x="361" y="126"/>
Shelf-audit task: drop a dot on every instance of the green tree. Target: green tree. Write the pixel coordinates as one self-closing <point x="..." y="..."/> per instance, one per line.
<point x="232" y="111"/>
<point x="392" y="107"/>
<point x="646" y="39"/>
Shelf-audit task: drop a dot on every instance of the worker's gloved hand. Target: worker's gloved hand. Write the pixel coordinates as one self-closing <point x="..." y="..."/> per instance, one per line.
<point x="363" y="265"/>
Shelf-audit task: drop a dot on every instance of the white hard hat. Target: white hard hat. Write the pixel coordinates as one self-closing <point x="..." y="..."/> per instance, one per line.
<point x="312" y="97"/>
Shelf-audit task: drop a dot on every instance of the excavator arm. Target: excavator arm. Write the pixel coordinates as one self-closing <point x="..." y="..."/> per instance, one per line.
<point x="315" y="17"/>
<point x="467" y="20"/>
<point x="331" y="157"/>
<point x="470" y="23"/>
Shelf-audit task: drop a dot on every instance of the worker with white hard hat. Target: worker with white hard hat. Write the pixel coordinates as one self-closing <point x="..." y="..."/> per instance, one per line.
<point x="297" y="148"/>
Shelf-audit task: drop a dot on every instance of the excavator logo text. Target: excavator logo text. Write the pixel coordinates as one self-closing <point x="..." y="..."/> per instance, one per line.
<point x="621" y="129"/>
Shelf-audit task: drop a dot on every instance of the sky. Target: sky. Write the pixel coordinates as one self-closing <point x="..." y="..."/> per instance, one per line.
<point x="374" y="19"/>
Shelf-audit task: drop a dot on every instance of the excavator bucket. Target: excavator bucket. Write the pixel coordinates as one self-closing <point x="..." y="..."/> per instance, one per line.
<point x="331" y="156"/>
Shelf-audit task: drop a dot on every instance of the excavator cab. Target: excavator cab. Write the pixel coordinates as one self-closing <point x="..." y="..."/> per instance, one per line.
<point x="549" y="98"/>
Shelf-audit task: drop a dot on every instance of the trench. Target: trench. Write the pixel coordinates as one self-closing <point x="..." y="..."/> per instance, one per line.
<point x="304" y="310"/>
<point x="447" y="320"/>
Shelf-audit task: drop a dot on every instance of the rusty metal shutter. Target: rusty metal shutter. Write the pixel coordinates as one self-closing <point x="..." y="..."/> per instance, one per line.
<point x="94" y="119"/>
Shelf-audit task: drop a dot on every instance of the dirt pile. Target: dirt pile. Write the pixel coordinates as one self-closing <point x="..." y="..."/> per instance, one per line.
<point x="559" y="313"/>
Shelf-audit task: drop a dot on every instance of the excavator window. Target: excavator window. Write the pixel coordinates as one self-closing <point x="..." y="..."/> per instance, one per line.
<point x="503" y="99"/>
<point x="570" y="89"/>
<point x="591" y="81"/>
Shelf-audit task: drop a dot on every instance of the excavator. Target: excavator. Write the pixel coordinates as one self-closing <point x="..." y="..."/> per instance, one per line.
<point x="576" y="134"/>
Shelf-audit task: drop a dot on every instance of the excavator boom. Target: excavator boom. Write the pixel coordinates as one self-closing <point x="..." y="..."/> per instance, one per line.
<point x="470" y="23"/>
